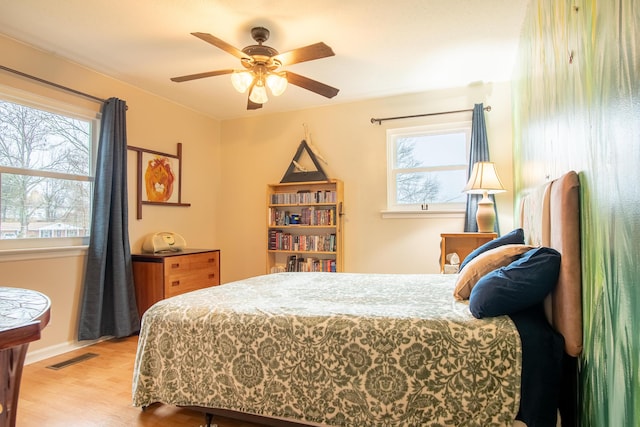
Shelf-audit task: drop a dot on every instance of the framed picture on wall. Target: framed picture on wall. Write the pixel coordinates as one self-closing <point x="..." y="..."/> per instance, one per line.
<point x="159" y="178"/>
<point x="160" y="174"/>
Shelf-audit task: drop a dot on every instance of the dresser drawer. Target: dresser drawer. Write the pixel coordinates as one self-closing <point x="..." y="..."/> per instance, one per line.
<point x="207" y="261"/>
<point x="190" y="272"/>
<point x="189" y="281"/>
<point x="159" y="276"/>
<point x="182" y="263"/>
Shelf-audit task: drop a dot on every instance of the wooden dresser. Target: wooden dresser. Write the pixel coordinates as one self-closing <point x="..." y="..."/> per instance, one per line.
<point x="162" y="275"/>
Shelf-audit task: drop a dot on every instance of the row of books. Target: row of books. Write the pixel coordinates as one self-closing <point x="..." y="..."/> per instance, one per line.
<point x="312" y="216"/>
<point x="304" y="197"/>
<point x="307" y="216"/>
<point x="279" y="240"/>
<point x="297" y="263"/>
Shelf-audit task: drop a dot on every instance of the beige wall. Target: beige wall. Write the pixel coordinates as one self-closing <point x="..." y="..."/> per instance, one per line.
<point x="258" y="150"/>
<point x="153" y="123"/>
<point x="226" y="167"/>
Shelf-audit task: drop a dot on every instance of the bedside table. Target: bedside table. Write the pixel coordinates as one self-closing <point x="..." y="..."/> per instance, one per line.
<point x="462" y="244"/>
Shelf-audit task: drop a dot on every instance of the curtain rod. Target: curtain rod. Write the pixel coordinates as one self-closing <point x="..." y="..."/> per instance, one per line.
<point x="373" y="120"/>
<point x="56" y="85"/>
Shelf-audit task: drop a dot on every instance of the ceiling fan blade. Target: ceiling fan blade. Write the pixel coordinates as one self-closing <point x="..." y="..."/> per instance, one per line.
<point x="222" y="45"/>
<point x="312" y="85"/>
<point x="307" y="53"/>
<point x="253" y="105"/>
<point x="200" y="75"/>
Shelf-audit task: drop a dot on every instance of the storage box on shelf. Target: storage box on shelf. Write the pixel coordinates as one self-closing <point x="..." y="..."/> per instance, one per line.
<point x="304" y="223"/>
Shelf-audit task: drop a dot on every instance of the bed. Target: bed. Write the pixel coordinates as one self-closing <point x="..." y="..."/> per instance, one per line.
<point x="348" y="349"/>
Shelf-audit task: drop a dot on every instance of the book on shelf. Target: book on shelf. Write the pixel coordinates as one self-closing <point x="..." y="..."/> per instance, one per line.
<point x="304" y="197"/>
<point x="292" y="263"/>
<point x="282" y="241"/>
<point x="308" y="216"/>
<point x="297" y="264"/>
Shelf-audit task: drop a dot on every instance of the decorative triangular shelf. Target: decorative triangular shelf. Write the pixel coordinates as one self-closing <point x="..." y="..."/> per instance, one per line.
<point x="291" y="175"/>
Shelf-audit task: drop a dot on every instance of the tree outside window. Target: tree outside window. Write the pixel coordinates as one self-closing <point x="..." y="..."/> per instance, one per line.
<point x="427" y="167"/>
<point x="45" y="173"/>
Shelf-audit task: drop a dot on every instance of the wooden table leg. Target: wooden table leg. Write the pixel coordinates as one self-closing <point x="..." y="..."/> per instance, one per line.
<point x="11" y="363"/>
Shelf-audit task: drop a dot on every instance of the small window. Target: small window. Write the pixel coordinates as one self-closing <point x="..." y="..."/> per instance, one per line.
<point x="46" y="173"/>
<point x="427" y="167"/>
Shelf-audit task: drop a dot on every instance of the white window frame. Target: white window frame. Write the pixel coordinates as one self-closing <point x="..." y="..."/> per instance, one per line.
<point x="395" y="210"/>
<point x="19" y="248"/>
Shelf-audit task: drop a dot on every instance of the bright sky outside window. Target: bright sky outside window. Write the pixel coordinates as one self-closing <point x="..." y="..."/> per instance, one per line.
<point x="427" y="167"/>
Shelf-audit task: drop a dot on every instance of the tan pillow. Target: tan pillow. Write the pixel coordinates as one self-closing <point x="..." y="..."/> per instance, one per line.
<point x="485" y="263"/>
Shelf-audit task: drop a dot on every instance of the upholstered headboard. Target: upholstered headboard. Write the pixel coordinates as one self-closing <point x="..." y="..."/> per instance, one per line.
<point x="550" y="216"/>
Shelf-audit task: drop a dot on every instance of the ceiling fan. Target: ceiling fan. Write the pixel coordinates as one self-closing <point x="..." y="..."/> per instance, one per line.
<point x="263" y="68"/>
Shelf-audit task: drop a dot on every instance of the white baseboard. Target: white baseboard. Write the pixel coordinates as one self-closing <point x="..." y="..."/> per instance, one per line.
<point x="58" y="349"/>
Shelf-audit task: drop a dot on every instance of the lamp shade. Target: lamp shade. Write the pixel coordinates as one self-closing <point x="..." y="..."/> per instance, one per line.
<point x="277" y="83"/>
<point x="241" y="80"/>
<point x="258" y="93"/>
<point x="484" y="179"/>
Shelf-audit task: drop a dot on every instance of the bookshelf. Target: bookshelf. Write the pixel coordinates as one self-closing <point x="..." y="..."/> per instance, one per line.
<point x="304" y="226"/>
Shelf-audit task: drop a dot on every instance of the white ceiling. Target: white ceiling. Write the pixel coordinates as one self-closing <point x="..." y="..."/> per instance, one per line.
<point x="382" y="47"/>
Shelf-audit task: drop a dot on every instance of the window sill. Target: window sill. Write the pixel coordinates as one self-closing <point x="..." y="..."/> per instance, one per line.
<point x="422" y="214"/>
<point x="8" y="255"/>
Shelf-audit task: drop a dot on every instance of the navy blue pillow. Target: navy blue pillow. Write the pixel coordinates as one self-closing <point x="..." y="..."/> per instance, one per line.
<point x="519" y="285"/>
<point x="515" y="237"/>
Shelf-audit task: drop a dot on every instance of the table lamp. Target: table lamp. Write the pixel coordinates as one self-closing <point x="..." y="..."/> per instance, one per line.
<point x="484" y="180"/>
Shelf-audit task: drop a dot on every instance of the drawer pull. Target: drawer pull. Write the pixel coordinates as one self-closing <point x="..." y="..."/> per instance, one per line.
<point x="175" y="283"/>
<point x="211" y="260"/>
<point x="212" y="276"/>
<point x="175" y="265"/>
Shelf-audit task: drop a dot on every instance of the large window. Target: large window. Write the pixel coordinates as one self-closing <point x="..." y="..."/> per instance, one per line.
<point x="427" y="167"/>
<point x="46" y="173"/>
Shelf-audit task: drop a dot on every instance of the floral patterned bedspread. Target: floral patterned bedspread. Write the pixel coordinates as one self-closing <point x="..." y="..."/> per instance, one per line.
<point x="338" y="349"/>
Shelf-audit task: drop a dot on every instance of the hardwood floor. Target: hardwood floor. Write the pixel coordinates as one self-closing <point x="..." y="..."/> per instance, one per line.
<point x="95" y="392"/>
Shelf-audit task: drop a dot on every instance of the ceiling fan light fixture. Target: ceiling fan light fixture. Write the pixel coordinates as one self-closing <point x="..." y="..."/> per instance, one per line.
<point x="258" y="93"/>
<point x="277" y="83"/>
<point x="241" y="80"/>
<point x="261" y="64"/>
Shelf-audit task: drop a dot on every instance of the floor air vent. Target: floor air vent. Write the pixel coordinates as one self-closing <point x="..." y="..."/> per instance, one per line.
<point x="72" y="361"/>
